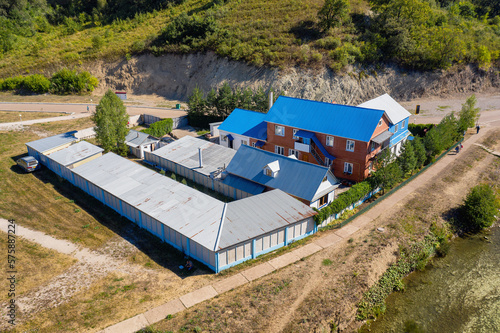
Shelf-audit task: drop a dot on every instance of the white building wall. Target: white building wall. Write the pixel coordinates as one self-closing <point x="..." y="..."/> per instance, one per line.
<point x="237" y="142"/>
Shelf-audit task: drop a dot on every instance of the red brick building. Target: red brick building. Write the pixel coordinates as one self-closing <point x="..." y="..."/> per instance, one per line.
<point x="346" y="138"/>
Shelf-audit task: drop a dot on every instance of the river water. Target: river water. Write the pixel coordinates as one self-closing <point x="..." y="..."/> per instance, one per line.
<point x="457" y="293"/>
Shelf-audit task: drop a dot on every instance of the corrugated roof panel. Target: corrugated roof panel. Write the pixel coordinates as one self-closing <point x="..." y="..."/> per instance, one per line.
<point x="295" y="177"/>
<point x="185" y="152"/>
<point x="395" y="111"/>
<point x="253" y="216"/>
<point x="75" y="153"/>
<point x="135" y="138"/>
<point x="339" y="120"/>
<point x="247" y="123"/>
<point x="243" y="184"/>
<point x="192" y="213"/>
<point x="52" y="142"/>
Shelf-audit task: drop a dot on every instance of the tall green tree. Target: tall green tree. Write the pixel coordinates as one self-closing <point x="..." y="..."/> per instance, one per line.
<point x="333" y="13"/>
<point x="111" y="120"/>
<point x="433" y="144"/>
<point x="469" y="115"/>
<point x="419" y="151"/>
<point x="225" y="102"/>
<point x="196" y="102"/>
<point x="388" y="173"/>
<point x="407" y="159"/>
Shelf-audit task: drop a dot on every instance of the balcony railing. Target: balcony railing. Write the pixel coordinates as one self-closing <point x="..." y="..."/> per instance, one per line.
<point x="302" y="147"/>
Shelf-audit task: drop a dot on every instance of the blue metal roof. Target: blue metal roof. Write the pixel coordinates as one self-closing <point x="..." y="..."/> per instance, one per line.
<point x="298" y="178"/>
<point x="247" y="123"/>
<point x="345" y="121"/>
<point x="243" y="184"/>
<point x="52" y="142"/>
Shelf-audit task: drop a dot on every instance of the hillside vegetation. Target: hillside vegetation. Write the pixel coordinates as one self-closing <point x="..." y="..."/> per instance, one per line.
<point x="45" y="35"/>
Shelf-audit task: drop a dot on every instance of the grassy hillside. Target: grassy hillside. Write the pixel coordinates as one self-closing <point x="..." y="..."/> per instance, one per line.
<point x="417" y="34"/>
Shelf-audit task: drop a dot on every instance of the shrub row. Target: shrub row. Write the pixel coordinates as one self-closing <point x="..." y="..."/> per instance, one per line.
<point x="419" y="129"/>
<point x="343" y="201"/>
<point x="160" y="128"/>
<point x="62" y="82"/>
<point x="411" y="258"/>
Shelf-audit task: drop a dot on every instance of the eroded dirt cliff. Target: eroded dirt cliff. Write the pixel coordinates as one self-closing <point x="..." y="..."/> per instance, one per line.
<point x="175" y="76"/>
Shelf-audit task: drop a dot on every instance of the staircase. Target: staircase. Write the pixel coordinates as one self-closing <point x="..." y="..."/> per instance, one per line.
<point x="317" y="157"/>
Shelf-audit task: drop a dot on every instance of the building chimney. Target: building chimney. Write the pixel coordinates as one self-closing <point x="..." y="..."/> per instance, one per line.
<point x="270" y="100"/>
<point x="200" y="157"/>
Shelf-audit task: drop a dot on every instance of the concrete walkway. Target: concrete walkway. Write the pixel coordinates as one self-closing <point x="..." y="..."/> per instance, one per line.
<point x="19" y="124"/>
<point x="331" y="239"/>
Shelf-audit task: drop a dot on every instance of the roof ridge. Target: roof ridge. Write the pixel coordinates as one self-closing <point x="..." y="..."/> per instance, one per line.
<point x="313" y="101"/>
<point x="285" y="157"/>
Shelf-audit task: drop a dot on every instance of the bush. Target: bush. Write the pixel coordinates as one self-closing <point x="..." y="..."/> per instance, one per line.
<point x="419" y="129"/>
<point x="344" y="200"/>
<point x="12" y="83"/>
<point x="159" y="128"/>
<point x="36" y="83"/>
<point x="479" y="208"/>
<point x="67" y="81"/>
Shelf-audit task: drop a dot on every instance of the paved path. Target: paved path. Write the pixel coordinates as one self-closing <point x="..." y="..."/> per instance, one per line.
<point x="331" y="239"/>
<point x="19" y="124"/>
<point x="82" y="108"/>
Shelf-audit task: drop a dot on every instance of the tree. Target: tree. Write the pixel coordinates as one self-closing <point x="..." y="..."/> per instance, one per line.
<point x="333" y="13"/>
<point x="111" y="119"/>
<point x="196" y="103"/>
<point x="225" y="102"/>
<point x="419" y="151"/>
<point x="479" y="208"/>
<point x="432" y="143"/>
<point x="468" y="116"/>
<point x="388" y="172"/>
<point x="407" y="160"/>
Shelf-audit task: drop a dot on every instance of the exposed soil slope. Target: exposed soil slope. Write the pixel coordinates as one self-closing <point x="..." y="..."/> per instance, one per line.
<point x="175" y="76"/>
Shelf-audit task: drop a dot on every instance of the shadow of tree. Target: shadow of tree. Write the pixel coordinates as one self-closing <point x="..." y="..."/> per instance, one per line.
<point x="306" y="31"/>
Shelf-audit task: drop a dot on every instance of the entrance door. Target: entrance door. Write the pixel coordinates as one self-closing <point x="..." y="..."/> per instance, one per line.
<point x="230" y="144"/>
<point x="305" y="158"/>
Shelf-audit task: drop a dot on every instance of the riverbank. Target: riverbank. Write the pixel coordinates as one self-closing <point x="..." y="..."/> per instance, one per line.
<point x="457" y="293"/>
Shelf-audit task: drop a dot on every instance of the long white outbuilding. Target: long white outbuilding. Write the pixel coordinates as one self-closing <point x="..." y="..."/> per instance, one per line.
<point x="218" y="234"/>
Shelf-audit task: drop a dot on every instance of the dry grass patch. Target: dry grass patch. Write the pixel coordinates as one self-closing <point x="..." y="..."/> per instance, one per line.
<point x="13" y="116"/>
<point x="6" y="96"/>
<point x="43" y="201"/>
<point x="95" y="307"/>
<point x="35" y="265"/>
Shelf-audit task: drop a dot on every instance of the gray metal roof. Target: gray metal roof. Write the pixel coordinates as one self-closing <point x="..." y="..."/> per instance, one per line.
<point x="253" y="216"/>
<point x="382" y="137"/>
<point x="394" y="111"/>
<point x="189" y="212"/>
<point x="243" y="184"/>
<point x="52" y="142"/>
<point x="75" y="153"/>
<point x="295" y="177"/>
<point x="207" y="221"/>
<point x="185" y="152"/>
<point x="135" y="138"/>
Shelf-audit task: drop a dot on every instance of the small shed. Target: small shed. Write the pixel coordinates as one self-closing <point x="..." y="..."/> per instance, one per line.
<point x="62" y="161"/>
<point x="139" y="142"/>
<point x="121" y="94"/>
<point x="39" y="148"/>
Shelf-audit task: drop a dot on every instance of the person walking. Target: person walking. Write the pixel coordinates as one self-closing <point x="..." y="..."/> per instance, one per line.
<point x="477" y="129"/>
